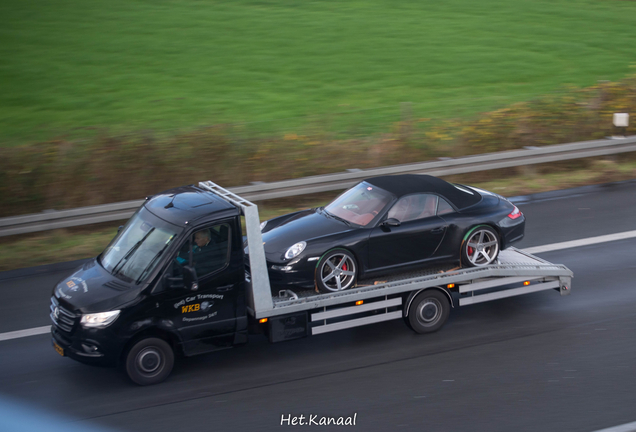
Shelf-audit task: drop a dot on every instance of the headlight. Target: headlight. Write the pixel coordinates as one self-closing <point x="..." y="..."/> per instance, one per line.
<point x="295" y="250"/>
<point x="99" y="320"/>
<point x="263" y="225"/>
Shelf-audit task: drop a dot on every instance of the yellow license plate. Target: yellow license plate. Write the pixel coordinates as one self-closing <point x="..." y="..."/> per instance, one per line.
<point x="58" y="349"/>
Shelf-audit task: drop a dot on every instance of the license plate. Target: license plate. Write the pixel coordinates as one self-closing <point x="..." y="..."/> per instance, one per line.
<point x="58" y="349"/>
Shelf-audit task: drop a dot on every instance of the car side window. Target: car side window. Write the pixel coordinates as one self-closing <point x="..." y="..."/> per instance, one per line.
<point x="443" y="207"/>
<point x="414" y="207"/>
<point x="210" y="249"/>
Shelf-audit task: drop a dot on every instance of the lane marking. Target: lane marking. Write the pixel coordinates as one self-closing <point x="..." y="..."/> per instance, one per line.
<point x="627" y="427"/>
<point x="533" y="250"/>
<point x="24" y="333"/>
<point x="582" y="242"/>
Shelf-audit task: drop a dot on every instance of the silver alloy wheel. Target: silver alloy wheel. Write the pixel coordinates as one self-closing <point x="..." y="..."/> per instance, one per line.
<point x="338" y="272"/>
<point x="149" y="360"/>
<point x="429" y="312"/>
<point x="482" y="247"/>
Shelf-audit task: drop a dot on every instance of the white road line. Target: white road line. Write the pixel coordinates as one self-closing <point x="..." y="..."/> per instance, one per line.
<point x="537" y="249"/>
<point x="627" y="427"/>
<point x="582" y="242"/>
<point x="24" y="333"/>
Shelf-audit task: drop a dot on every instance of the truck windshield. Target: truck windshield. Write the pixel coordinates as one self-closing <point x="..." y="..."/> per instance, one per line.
<point x="135" y="251"/>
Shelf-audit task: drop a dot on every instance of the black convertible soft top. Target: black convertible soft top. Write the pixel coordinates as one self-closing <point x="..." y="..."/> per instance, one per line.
<point x="406" y="184"/>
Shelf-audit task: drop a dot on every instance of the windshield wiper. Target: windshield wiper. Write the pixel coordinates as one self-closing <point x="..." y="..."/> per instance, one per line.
<point x="153" y="260"/>
<point x="132" y="250"/>
<point x="337" y="217"/>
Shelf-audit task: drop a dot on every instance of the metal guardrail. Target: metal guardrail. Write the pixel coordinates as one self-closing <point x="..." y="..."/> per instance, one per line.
<point x="307" y="185"/>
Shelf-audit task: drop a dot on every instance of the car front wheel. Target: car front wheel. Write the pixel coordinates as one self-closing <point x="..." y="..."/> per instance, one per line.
<point x="336" y="271"/>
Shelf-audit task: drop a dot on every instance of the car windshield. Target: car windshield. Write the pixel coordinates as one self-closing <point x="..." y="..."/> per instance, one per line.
<point x="360" y="204"/>
<point x="136" y="249"/>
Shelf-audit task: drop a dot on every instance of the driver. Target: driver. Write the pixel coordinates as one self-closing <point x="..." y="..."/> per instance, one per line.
<point x="202" y="240"/>
<point x="202" y="243"/>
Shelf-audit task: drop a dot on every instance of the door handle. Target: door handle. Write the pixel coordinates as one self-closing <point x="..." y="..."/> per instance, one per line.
<point x="438" y="230"/>
<point x="225" y="288"/>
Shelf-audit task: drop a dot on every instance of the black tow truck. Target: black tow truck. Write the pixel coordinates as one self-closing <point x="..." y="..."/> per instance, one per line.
<point x="174" y="281"/>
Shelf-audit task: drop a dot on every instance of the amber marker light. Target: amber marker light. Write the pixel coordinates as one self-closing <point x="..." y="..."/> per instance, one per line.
<point x="526" y="283"/>
<point x="449" y="286"/>
<point x="262" y="320"/>
<point x="359" y="302"/>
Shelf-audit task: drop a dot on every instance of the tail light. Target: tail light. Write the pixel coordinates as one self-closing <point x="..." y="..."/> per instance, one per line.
<point x="515" y="213"/>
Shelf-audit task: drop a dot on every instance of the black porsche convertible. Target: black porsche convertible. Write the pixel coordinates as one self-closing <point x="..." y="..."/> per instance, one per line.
<point x="387" y="224"/>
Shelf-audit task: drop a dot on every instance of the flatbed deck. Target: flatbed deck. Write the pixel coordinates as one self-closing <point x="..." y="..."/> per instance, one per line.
<point x="513" y="265"/>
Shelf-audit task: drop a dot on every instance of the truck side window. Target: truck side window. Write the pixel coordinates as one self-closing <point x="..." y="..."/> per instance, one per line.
<point x="211" y="249"/>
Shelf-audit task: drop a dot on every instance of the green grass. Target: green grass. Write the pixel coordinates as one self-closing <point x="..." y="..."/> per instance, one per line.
<point x="130" y="65"/>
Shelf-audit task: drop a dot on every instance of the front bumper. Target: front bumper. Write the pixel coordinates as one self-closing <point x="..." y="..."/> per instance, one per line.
<point x="94" y="346"/>
<point x="285" y="276"/>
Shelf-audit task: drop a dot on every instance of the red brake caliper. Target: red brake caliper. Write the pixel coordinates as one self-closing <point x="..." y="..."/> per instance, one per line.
<point x="470" y="250"/>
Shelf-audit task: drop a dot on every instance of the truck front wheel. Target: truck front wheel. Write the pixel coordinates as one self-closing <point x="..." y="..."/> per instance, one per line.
<point x="428" y="312"/>
<point x="149" y="361"/>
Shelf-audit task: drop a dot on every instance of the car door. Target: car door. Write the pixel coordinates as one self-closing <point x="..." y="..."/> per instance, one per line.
<point x="415" y="239"/>
<point x="206" y="318"/>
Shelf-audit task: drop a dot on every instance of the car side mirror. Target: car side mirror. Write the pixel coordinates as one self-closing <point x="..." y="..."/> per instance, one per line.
<point x="121" y="227"/>
<point x="392" y="222"/>
<point x="190" y="279"/>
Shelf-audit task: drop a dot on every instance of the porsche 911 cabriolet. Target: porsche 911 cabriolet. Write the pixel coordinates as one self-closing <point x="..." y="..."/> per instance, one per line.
<point x="388" y="224"/>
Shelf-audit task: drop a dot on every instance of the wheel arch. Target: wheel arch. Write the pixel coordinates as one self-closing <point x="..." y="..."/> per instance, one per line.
<point x="355" y="255"/>
<point x="470" y="230"/>
<point x="156" y="332"/>
<point x="411" y="295"/>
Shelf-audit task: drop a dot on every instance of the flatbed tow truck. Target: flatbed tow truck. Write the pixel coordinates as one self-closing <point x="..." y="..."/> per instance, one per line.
<point x="150" y="318"/>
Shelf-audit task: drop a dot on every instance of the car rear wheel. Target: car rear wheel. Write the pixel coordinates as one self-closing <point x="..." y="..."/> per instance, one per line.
<point x="336" y="271"/>
<point x="149" y="361"/>
<point x="480" y="247"/>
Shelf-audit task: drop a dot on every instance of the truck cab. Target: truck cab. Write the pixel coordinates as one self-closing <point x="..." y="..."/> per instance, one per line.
<point x="172" y="280"/>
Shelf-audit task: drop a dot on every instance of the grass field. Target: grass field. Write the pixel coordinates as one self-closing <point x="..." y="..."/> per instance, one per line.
<point x="129" y="65"/>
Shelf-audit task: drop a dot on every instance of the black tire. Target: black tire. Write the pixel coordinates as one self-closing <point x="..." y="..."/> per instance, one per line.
<point x="428" y="312"/>
<point x="336" y="271"/>
<point x="149" y="361"/>
<point x="480" y="247"/>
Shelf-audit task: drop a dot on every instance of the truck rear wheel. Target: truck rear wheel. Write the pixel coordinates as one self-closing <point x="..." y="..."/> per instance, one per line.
<point x="149" y="361"/>
<point x="428" y="312"/>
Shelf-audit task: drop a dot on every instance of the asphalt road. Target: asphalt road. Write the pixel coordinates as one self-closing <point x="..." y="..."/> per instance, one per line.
<point x="538" y="362"/>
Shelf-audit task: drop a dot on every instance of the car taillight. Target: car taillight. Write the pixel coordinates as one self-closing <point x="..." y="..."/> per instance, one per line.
<point x="515" y="213"/>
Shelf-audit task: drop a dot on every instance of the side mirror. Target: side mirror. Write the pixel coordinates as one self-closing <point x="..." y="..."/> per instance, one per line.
<point x="190" y="278"/>
<point x="172" y="282"/>
<point x="121" y="227"/>
<point x="392" y="222"/>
